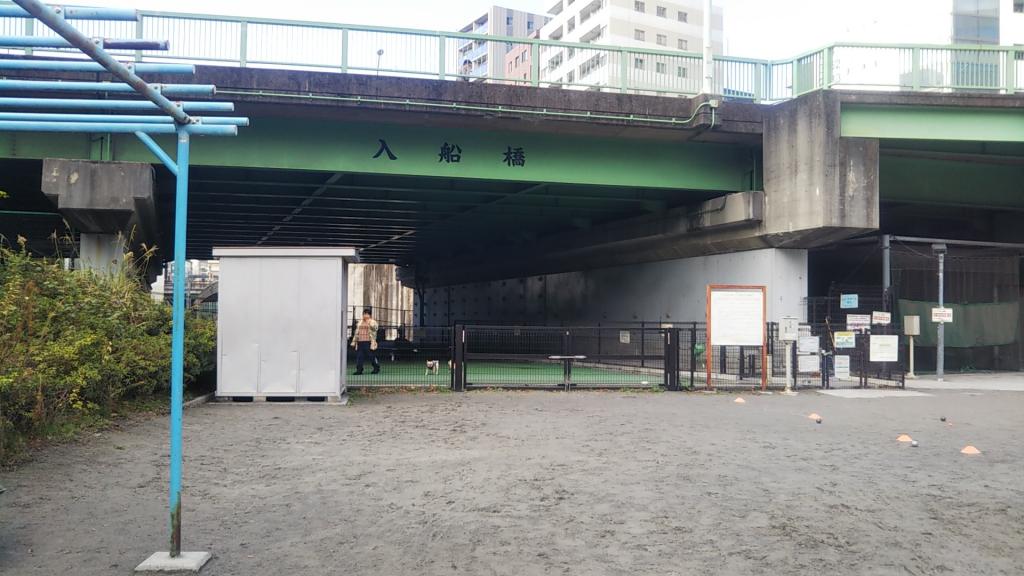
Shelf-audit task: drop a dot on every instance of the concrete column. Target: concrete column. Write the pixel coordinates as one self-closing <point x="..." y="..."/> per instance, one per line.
<point x="109" y="203"/>
<point x="102" y="253"/>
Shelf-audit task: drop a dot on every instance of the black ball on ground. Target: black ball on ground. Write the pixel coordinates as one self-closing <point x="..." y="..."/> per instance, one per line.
<point x="942" y="418"/>
<point x="818" y="420"/>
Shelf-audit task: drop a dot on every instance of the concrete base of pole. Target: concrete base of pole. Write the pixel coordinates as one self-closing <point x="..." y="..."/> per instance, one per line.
<point x="184" y="562"/>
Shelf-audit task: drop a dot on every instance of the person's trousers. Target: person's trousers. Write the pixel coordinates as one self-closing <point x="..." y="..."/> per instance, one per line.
<point x="362" y="353"/>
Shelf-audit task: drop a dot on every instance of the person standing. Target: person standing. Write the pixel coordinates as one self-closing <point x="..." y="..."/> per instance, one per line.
<point x="365" y="342"/>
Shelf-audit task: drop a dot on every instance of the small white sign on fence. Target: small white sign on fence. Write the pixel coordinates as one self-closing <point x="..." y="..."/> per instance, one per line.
<point x="846" y="339"/>
<point x="881" y="318"/>
<point x="808" y="345"/>
<point x="858" y="321"/>
<point x="624" y="336"/>
<point x="842" y="366"/>
<point x="806" y="363"/>
<point x="884" y="348"/>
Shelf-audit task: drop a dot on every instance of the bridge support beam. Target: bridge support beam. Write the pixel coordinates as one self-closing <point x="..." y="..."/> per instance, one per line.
<point x="109" y="203"/>
<point x="819" y="187"/>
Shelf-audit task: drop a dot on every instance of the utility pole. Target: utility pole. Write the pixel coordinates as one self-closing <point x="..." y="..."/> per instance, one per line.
<point x="709" y="64"/>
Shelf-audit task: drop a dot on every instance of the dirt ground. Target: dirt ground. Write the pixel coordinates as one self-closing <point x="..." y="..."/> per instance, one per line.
<point x="531" y="483"/>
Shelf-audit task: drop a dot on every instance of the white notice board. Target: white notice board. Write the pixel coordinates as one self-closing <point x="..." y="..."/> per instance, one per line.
<point x="842" y="366"/>
<point x="884" y="348"/>
<point x="736" y="315"/>
<point x="808" y="363"/>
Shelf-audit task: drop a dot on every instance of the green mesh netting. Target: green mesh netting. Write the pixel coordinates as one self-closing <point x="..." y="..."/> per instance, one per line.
<point x="987" y="324"/>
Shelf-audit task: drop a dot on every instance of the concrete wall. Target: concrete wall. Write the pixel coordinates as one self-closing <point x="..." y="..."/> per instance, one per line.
<point x="665" y="291"/>
<point x="819" y="187"/>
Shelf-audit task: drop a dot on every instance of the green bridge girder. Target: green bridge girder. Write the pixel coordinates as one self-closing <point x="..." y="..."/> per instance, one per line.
<point x="334" y="146"/>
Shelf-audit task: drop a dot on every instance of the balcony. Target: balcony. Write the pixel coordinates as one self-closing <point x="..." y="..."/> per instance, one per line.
<point x="590" y="9"/>
<point x="594" y="35"/>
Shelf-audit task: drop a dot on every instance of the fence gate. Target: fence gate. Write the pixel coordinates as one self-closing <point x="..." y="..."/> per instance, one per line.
<point x="562" y="357"/>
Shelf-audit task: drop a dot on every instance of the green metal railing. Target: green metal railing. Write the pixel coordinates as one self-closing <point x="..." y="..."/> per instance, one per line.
<point x="261" y="42"/>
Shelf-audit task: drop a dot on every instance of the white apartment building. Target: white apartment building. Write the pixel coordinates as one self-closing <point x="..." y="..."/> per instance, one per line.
<point x="672" y="26"/>
<point x="486" y="59"/>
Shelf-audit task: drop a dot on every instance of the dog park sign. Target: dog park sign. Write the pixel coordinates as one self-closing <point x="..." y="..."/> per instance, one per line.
<point x="737" y="316"/>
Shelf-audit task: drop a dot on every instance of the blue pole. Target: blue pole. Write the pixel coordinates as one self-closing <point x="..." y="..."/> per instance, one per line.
<point x="114" y="128"/>
<point x="105" y="43"/>
<point x="65" y="66"/>
<point x="93" y="104"/>
<point x="76" y="13"/>
<point x="120" y="119"/>
<point x="54" y="22"/>
<point x="57" y="86"/>
<point x="178" y="338"/>
<point x="158" y="151"/>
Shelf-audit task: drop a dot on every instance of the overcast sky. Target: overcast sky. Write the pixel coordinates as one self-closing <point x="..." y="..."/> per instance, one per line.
<point x="753" y="28"/>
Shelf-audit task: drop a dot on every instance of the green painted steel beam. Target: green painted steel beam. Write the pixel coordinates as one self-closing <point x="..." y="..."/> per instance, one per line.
<point x="932" y="123"/>
<point x="951" y="183"/>
<point x="304" y="144"/>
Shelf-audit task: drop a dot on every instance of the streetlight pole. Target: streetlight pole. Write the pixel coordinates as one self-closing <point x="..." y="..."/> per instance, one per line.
<point x="709" y="63"/>
<point x="940" y="349"/>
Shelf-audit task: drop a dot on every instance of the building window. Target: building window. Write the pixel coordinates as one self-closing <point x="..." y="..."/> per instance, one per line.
<point x="681" y="16"/>
<point x="570" y="25"/>
<point x="660" y="67"/>
<point x="639" y="6"/>
<point x="1018" y="6"/>
<point x="681" y="71"/>
<point x="662" y="40"/>
<point x="570" y="76"/>
<point x="508" y="20"/>
<point x="529" y="25"/>
<point x="638" y="34"/>
<point x="682" y="44"/>
<point x="638" y="63"/>
<point x="662" y="12"/>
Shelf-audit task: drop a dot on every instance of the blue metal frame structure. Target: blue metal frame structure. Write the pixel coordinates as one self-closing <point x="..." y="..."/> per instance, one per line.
<point x="174" y="118"/>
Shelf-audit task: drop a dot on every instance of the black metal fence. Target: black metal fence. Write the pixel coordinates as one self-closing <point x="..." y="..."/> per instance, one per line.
<point x="417" y="357"/>
<point x="671" y="356"/>
<point x="560" y="357"/>
<point x="843" y="358"/>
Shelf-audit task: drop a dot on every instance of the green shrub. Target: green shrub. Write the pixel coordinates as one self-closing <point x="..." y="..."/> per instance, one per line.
<point x="74" y="343"/>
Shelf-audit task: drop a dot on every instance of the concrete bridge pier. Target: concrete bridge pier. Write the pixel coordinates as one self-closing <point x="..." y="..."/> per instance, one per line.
<point x="109" y="203"/>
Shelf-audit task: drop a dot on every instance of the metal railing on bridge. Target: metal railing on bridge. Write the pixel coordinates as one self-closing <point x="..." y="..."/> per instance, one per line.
<point x="287" y="44"/>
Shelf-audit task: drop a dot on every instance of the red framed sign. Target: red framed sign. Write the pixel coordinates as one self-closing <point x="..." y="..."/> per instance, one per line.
<point x="737" y="315"/>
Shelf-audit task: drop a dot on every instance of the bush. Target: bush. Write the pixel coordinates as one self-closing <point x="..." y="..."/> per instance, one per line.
<point x="74" y="343"/>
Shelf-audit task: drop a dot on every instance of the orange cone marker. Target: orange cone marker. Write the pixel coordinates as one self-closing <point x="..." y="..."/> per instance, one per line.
<point x="740" y="401"/>
<point x="970" y="450"/>
<point x="904" y="438"/>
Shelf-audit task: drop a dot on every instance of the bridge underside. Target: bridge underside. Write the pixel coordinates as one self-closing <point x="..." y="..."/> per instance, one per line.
<point x="390" y="218"/>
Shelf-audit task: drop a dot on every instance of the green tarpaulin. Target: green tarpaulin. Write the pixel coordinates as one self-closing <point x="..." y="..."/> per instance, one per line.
<point x="990" y="324"/>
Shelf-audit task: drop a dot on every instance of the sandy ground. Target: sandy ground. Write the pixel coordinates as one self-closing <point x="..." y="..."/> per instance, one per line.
<point x="532" y="483"/>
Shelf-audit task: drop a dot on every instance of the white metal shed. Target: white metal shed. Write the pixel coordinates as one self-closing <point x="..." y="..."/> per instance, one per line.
<point x="280" y="325"/>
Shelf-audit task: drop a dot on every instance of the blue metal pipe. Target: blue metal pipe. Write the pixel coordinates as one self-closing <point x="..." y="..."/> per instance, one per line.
<point x="189" y="90"/>
<point x="115" y="118"/>
<point x="67" y="66"/>
<point x="93" y="104"/>
<point x="50" y="18"/>
<point x="114" y="128"/>
<point x="178" y="339"/>
<point x="158" y="152"/>
<point x="108" y="43"/>
<point x="76" y="13"/>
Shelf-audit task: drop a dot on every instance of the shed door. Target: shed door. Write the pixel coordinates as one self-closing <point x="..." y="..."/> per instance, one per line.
<point x="279" y="326"/>
<point x="320" y="341"/>
<point x="238" y="328"/>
